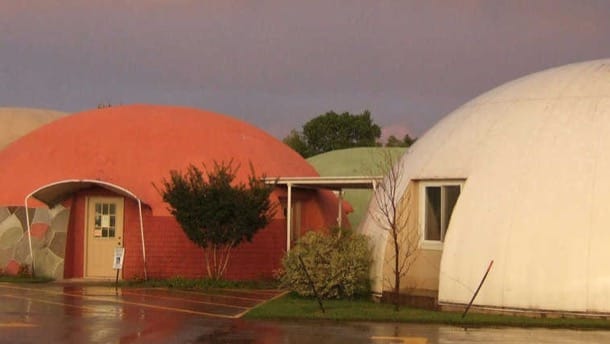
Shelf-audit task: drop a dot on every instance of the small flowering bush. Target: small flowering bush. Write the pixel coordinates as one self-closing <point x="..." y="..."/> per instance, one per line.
<point x="338" y="265"/>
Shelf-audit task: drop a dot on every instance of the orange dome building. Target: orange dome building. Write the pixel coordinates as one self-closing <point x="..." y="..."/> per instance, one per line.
<point x="96" y="172"/>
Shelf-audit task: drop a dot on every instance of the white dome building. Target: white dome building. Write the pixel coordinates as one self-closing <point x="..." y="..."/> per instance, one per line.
<point x="519" y="175"/>
<point x="16" y="122"/>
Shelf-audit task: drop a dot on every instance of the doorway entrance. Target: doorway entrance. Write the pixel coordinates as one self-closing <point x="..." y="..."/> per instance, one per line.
<point x="103" y="233"/>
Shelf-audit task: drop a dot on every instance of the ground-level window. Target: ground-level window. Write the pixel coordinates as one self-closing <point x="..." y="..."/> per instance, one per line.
<point x="439" y="199"/>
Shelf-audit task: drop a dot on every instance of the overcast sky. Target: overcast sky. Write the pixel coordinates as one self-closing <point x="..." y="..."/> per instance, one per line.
<point x="277" y="64"/>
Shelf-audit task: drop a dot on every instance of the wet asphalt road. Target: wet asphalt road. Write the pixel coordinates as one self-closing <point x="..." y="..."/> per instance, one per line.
<point x="77" y="314"/>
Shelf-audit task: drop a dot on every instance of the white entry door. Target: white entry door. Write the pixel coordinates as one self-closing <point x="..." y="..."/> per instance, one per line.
<point x="104" y="232"/>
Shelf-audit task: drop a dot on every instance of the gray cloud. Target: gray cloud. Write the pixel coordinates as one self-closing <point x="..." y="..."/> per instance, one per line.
<point x="277" y="64"/>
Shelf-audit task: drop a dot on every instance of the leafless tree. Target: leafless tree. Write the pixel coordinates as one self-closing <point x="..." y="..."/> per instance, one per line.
<point x="393" y="214"/>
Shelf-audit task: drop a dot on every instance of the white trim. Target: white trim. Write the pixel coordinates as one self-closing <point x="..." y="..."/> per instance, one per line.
<point x="332" y="183"/>
<point x="422" y="184"/>
<point x="142" y="236"/>
<point x="27" y="221"/>
<point x="288" y="216"/>
<point x="340" y="208"/>
<point x="92" y="181"/>
<point x="85" y="239"/>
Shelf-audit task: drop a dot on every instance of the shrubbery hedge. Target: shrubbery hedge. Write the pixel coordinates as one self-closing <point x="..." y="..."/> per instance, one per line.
<point x="337" y="263"/>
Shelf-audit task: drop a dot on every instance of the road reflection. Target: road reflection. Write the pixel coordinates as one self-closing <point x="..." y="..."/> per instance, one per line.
<point x="378" y="333"/>
<point x="76" y="314"/>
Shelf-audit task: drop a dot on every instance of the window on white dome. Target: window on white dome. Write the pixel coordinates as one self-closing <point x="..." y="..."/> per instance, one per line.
<point x="438" y="200"/>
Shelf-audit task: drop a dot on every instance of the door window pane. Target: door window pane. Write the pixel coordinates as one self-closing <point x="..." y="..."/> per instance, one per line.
<point x="105" y="220"/>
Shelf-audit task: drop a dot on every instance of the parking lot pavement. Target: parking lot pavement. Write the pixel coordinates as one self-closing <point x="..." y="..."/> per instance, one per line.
<point x="218" y="303"/>
<point x="53" y="313"/>
<point x="75" y="313"/>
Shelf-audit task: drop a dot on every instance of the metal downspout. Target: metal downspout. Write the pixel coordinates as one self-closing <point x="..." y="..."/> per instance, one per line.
<point x="27" y="220"/>
<point x="142" y="235"/>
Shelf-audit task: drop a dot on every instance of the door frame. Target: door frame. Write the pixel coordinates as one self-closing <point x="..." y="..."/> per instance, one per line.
<point x="87" y="218"/>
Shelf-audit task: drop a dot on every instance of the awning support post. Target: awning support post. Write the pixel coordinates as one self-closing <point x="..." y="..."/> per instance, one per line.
<point x="288" y="217"/>
<point x="340" y="206"/>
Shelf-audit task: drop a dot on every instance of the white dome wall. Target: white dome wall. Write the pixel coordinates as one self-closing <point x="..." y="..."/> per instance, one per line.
<point x="16" y="122"/>
<point x="537" y="200"/>
<point x="433" y="156"/>
<point x="535" y="154"/>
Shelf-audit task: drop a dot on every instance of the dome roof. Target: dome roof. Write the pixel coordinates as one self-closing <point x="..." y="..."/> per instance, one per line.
<point x="16" y="122"/>
<point x="357" y="161"/>
<point x="137" y="145"/>
<point x="535" y="157"/>
<point x="534" y="154"/>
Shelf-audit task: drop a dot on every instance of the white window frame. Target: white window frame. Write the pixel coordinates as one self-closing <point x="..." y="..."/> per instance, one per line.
<point x="423" y="184"/>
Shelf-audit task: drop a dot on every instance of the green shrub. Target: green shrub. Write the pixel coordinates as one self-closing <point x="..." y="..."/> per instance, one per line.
<point x="338" y="264"/>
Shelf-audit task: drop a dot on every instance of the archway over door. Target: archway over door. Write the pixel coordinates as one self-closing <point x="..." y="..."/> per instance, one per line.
<point x="56" y="192"/>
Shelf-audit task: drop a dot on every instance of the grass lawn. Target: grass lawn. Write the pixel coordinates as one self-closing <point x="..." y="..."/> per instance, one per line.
<point x="24" y="279"/>
<point x="294" y="307"/>
<point x="175" y="282"/>
<point x="202" y="283"/>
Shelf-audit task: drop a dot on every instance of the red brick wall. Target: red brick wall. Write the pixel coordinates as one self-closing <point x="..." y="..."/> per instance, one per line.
<point x="260" y="258"/>
<point x="75" y="240"/>
<point x="169" y="252"/>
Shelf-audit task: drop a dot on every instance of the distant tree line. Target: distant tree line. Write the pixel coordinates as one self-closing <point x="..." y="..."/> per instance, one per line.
<point x="406" y="141"/>
<point x="332" y="131"/>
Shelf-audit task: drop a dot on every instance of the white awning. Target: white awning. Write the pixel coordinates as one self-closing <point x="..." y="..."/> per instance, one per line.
<point x="329" y="183"/>
<point x="337" y="183"/>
